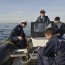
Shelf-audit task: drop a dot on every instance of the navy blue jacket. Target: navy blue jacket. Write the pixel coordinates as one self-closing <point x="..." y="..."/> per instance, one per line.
<point x="60" y="28"/>
<point x="55" y="49"/>
<point x="18" y="31"/>
<point x="44" y="19"/>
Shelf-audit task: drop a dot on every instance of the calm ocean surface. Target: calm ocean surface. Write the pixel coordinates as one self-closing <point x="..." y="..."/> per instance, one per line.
<point x="6" y="28"/>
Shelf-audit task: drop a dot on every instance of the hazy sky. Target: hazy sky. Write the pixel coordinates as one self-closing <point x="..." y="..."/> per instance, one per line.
<point x="28" y="10"/>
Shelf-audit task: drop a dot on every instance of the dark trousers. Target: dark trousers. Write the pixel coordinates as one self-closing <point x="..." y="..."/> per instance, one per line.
<point x="21" y="45"/>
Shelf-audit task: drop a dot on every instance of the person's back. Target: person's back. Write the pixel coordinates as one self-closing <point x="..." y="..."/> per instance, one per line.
<point x="54" y="51"/>
<point x="60" y="53"/>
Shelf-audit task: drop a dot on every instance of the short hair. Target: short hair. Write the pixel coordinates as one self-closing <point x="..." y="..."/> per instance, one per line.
<point x="24" y="23"/>
<point x="43" y="11"/>
<point x="57" y="18"/>
<point x="50" y="31"/>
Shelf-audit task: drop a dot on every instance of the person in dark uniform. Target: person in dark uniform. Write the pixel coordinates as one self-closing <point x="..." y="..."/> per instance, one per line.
<point x="60" y="27"/>
<point x="54" y="51"/>
<point x="17" y="35"/>
<point x="43" y="17"/>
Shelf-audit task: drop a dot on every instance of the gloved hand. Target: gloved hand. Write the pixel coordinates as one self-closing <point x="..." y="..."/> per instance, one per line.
<point x="20" y="38"/>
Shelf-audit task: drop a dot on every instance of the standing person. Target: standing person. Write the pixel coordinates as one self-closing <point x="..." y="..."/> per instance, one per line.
<point x="17" y="35"/>
<point x="43" y="17"/>
<point x="54" y="51"/>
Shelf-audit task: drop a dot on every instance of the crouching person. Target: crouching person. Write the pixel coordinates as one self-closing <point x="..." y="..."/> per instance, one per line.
<point x="53" y="53"/>
<point x="17" y="35"/>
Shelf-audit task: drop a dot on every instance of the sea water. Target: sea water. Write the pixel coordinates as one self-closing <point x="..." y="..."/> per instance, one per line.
<point x="6" y="28"/>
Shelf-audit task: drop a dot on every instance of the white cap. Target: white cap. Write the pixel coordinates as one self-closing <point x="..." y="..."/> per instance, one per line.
<point x="22" y="21"/>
